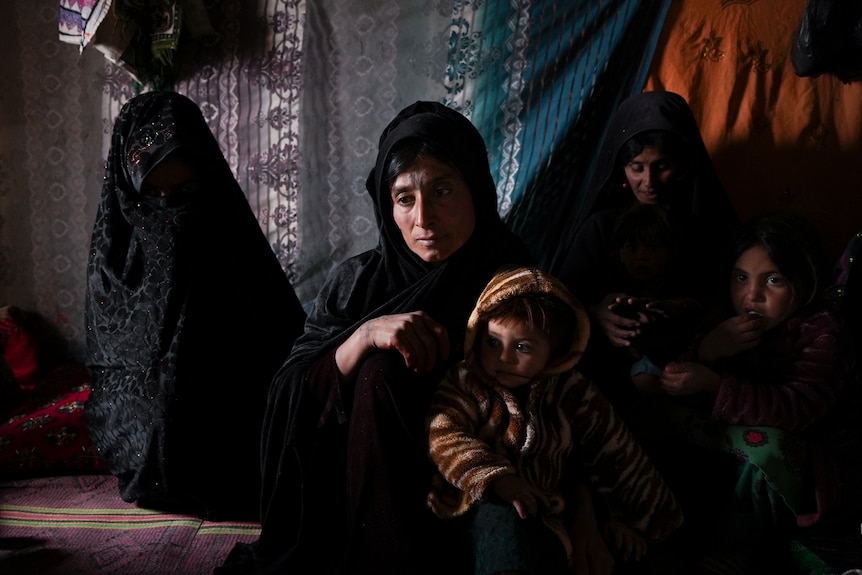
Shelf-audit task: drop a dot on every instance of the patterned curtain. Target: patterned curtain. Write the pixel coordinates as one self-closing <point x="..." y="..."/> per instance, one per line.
<point x="297" y="92"/>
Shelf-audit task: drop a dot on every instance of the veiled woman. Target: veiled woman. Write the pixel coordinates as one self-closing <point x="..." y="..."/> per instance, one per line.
<point x="188" y="314"/>
<point x="346" y="468"/>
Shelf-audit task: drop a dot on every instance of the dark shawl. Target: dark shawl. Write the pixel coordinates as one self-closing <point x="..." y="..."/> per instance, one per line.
<point x="388" y="279"/>
<point x="188" y="314"/>
<point x="704" y="194"/>
<point x="699" y="207"/>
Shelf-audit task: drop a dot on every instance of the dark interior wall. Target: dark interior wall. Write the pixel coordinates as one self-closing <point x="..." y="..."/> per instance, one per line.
<point x="51" y="164"/>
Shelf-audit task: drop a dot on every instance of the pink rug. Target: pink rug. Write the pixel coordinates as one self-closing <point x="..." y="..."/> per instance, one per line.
<point x="78" y="525"/>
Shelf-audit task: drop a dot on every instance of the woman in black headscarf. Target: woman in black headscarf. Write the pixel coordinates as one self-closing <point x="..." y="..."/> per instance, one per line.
<point x="189" y="315"/>
<point x="654" y="154"/>
<point x="346" y="469"/>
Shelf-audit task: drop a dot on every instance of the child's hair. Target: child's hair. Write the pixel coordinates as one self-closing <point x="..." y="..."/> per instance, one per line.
<point x="793" y="244"/>
<point x="544" y="312"/>
<point x="644" y="224"/>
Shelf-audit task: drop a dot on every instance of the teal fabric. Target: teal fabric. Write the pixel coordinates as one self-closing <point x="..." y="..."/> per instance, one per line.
<point x="504" y="542"/>
<point x="543" y="105"/>
<point x="770" y="485"/>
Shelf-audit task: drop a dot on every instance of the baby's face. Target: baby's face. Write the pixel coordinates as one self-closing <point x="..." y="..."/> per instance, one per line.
<point x="644" y="262"/>
<point x="513" y="352"/>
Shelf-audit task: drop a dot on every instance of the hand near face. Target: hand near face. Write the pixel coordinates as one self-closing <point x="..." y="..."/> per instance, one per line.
<point x="687" y="378"/>
<point x="730" y="337"/>
<point x="527" y="499"/>
<point x="420" y="340"/>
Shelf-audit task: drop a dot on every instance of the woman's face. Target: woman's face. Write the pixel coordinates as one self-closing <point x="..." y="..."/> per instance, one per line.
<point x="757" y="287"/>
<point x="173" y="177"/>
<point x="433" y="208"/>
<point x="649" y="175"/>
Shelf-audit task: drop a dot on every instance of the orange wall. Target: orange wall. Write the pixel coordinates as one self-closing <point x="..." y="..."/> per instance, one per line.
<point x="778" y="140"/>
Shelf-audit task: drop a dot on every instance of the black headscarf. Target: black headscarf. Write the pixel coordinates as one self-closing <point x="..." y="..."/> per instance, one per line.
<point x="702" y="214"/>
<point x="188" y="314"/>
<point x="644" y="112"/>
<point x="392" y="279"/>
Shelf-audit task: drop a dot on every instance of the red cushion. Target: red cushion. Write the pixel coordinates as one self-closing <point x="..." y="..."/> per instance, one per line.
<point x="46" y="435"/>
<point x="20" y="347"/>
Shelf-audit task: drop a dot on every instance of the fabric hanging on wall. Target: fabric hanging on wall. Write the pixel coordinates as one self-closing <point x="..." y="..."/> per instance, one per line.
<point x="296" y="93"/>
<point x="829" y="40"/>
<point x="79" y="20"/>
<point x="141" y="37"/>
<point x="579" y="61"/>
<point x="778" y="141"/>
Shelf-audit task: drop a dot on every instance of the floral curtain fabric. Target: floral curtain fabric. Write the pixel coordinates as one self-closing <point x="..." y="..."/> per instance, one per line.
<point x="297" y="93"/>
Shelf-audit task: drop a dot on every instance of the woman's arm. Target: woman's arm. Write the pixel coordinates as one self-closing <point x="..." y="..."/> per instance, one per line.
<point x="415" y="335"/>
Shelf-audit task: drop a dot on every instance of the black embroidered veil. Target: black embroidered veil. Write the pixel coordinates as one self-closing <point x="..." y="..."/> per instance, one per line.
<point x="188" y="315"/>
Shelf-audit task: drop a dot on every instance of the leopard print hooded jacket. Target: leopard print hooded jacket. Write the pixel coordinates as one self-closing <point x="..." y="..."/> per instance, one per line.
<point x="479" y="431"/>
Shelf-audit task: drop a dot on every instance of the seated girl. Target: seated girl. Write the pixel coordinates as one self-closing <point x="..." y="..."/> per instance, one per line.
<point x="764" y="387"/>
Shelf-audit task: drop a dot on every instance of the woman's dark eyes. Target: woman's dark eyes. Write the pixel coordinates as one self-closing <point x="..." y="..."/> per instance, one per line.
<point x="180" y="189"/>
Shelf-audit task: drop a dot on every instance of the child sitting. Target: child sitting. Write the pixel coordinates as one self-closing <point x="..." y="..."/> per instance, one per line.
<point x="770" y="376"/>
<point x="652" y="288"/>
<point x="520" y="437"/>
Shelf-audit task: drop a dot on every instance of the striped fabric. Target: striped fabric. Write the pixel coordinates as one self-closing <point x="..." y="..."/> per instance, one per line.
<point x="78" y="524"/>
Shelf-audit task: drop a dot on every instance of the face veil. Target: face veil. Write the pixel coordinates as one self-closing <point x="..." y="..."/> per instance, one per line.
<point x="164" y="350"/>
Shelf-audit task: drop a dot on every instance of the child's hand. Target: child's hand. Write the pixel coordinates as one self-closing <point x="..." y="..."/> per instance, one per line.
<point x="624" y="541"/>
<point x="524" y="497"/>
<point x="669" y="308"/>
<point x="731" y="337"/>
<point x="687" y="378"/>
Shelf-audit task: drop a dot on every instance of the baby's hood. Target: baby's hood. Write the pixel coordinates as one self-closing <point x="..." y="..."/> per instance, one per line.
<point x="511" y="281"/>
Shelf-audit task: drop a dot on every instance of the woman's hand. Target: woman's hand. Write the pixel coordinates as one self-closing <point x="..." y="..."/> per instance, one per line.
<point x="731" y="337"/>
<point x="527" y="499"/>
<point x="687" y="378"/>
<point x="420" y="340"/>
<point x="618" y="329"/>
